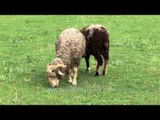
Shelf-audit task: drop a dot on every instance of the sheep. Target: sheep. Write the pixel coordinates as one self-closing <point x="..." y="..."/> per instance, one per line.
<point x="97" y="44"/>
<point x="70" y="48"/>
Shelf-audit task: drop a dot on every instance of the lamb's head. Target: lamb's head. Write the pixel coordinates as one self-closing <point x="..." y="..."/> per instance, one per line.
<point x="54" y="72"/>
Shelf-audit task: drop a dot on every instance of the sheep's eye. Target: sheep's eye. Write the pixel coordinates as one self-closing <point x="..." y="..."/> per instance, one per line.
<point x="52" y="70"/>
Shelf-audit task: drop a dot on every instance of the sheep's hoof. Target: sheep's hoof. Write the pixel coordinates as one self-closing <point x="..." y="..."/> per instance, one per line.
<point x="88" y="70"/>
<point x="97" y="74"/>
<point x="74" y="82"/>
<point x="104" y="72"/>
<point x="70" y="80"/>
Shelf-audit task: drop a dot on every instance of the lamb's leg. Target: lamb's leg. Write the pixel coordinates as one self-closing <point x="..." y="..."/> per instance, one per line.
<point x="75" y="70"/>
<point x="106" y="60"/>
<point x="87" y="63"/>
<point x="105" y="67"/>
<point x="70" y="76"/>
<point x="99" y="63"/>
<point x="97" y="70"/>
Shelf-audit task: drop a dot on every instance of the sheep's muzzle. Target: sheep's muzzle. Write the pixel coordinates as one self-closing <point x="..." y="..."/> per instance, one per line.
<point x="53" y="82"/>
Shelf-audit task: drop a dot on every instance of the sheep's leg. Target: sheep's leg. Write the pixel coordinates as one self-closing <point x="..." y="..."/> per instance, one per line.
<point x="70" y="76"/>
<point x="106" y="60"/>
<point x="99" y="63"/>
<point x="97" y="70"/>
<point x="105" y="67"/>
<point x="75" y="70"/>
<point x="87" y="63"/>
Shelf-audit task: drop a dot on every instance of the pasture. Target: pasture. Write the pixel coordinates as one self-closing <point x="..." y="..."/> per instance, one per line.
<point x="27" y="45"/>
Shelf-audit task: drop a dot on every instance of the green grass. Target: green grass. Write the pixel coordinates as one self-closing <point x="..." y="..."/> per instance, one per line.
<point x="27" y="46"/>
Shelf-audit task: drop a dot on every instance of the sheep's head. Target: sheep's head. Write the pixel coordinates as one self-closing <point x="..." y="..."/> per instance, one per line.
<point x="54" y="73"/>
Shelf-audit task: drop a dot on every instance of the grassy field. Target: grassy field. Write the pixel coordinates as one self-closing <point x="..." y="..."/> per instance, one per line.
<point x="27" y="46"/>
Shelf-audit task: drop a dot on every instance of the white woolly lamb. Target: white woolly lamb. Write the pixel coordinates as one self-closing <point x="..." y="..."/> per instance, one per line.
<point x="70" y="48"/>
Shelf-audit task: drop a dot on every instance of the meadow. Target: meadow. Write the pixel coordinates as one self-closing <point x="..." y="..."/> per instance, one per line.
<point x="27" y="45"/>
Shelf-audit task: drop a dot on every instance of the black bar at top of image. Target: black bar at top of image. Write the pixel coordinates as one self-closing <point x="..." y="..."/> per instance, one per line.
<point x="79" y="7"/>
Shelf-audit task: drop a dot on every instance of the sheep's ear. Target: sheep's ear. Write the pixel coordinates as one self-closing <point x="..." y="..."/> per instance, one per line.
<point x="60" y="73"/>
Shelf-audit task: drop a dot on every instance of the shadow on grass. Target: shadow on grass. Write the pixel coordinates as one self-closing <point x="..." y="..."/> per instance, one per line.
<point x="40" y="79"/>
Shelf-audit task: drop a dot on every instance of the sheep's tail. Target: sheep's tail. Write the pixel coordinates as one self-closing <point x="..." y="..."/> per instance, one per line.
<point x="106" y="42"/>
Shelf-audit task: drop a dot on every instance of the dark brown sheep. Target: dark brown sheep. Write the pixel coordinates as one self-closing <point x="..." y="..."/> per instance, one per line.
<point x="97" y="44"/>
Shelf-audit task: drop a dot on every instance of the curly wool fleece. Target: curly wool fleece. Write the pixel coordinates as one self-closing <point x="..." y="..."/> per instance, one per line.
<point x="70" y="47"/>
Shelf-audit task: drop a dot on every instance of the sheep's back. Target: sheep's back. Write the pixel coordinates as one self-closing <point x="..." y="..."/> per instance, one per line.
<point x="97" y="38"/>
<point x="71" y="46"/>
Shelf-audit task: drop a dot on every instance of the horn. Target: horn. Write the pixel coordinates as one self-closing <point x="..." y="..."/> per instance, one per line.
<point x="60" y="73"/>
<point x="58" y="66"/>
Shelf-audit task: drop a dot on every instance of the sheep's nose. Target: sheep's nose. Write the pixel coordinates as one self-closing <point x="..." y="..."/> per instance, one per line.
<point x="54" y="83"/>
